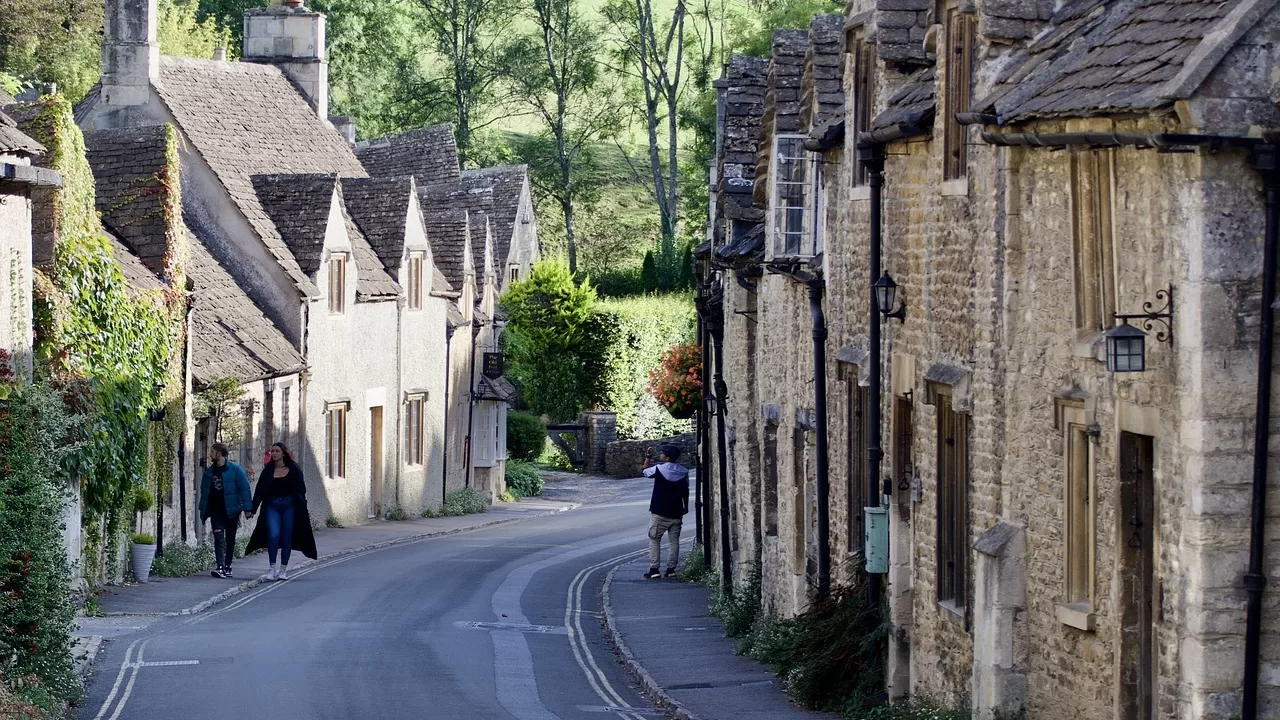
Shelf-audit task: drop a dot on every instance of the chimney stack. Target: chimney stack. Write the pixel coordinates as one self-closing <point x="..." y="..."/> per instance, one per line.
<point x="130" y="52"/>
<point x="293" y="39"/>
<point x="346" y="127"/>
<point x="220" y="53"/>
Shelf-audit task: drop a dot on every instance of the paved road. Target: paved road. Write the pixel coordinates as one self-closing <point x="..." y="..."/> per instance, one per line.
<point x="498" y="623"/>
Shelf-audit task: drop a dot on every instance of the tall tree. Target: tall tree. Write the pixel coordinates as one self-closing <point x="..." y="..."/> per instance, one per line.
<point x="54" y="41"/>
<point x="655" y="51"/>
<point x="564" y="96"/>
<point x="471" y="39"/>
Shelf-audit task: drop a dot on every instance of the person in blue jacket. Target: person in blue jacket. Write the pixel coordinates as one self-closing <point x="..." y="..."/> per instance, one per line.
<point x="668" y="505"/>
<point x="224" y="494"/>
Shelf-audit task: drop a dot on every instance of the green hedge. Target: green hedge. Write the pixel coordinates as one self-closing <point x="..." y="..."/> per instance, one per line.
<point x="642" y="328"/>
<point x="526" y="436"/>
<point x="523" y="479"/>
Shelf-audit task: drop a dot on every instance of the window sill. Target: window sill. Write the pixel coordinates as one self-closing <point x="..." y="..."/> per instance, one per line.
<point x="860" y="192"/>
<point x="1076" y="615"/>
<point x="950" y="611"/>
<point x="956" y="188"/>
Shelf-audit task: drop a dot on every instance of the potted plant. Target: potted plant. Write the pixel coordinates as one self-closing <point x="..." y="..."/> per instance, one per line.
<point x="142" y="552"/>
<point x="677" y="383"/>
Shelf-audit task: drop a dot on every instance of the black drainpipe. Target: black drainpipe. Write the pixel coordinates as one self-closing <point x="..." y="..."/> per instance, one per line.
<point x="872" y="155"/>
<point x="722" y="391"/>
<point x="1266" y="159"/>
<point x="476" y="329"/>
<point x="816" y="287"/>
<point x="448" y="370"/>
<point x="702" y="434"/>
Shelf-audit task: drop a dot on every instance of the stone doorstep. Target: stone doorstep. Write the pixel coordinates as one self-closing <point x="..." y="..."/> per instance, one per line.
<point x="254" y="582"/>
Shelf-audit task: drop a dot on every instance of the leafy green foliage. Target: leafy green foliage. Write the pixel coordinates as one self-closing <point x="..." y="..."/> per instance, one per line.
<point x="693" y="567"/>
<point x="917" y="708"/>
<point x="332" y="522"/>
<point x="143" y="539"/>
<point x="110" y="350"/>
<point x="523" y="479"/>
<point x="551" y="321"/>
<point x="52" y="41"/>
<point x="180" y="560"/>
<point x="643" y="328"/>
<point x="36" y="616"/>
<point x="217" y="401"/>
<point x="182" y="32"/>
<point x="397" y="514"/>
<point x="463" y="501"/>
<point x="526" y="436"/>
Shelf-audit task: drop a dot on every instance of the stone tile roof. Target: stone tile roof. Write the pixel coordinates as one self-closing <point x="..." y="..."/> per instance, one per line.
<point x="138" y="278"/>
<point x="429" y="155"/>
<point x="823" y="98"/>
<point x="913" y="105"/>
<point x="380" y="208"/>
<point x="781" y="102"/>
<point x="128" y="170"/>
<point x="506" y="185"/>
<point x="298" y="206"/>
<point x="447" y="231"/>
<point x="453" y="316"/>
<point x="13" y="140"/>
<point x="481" y="240"/>
<point x="247" y="119"/>
<point x="230" y="335"/>
<point x="1101" y="57"/>
<point x="439" y="283"/>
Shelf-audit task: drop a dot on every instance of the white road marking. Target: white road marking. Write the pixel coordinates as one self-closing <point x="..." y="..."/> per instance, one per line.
<point x="115" y="687"/>
<point x="133" y="676"/>
<point x="168" y="663"/>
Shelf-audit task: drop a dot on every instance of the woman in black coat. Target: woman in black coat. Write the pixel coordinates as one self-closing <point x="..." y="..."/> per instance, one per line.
<point x="284" y="525"/>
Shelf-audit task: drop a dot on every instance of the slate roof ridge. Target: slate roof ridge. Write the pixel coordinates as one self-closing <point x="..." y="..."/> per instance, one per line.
<point x="298" y="205"/>
<point x="429" y="154"/>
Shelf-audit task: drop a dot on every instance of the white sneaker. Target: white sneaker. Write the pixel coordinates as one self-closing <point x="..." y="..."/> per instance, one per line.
<point x="273" y="573"/>
<point x="284" y="573"/>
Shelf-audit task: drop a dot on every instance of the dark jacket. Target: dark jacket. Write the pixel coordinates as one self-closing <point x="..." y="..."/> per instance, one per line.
<point x="235" y="490"/>
<point x="304" y="541"/>
<point x="670" y="497"/>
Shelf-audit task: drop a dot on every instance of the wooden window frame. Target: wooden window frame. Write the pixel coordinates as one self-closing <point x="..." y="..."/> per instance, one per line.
<point x="515" y="273"/>
<point x="1079" y="469"/>
<point x="338" y="283"/>
<point x="953" y="502"/>
<point x="1093" y="239"/>
<point x="335" y="439"/>
<point x="414" y="287"/>
<point x="415" y="417"/>
<point x="799" y="197"/>
<point x="960" y="32"/>
<point x="863" y="59"/>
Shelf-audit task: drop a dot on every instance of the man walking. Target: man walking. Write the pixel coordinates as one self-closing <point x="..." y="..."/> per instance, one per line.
<point x="668" y="505"/>
<point x="224" y="494"/>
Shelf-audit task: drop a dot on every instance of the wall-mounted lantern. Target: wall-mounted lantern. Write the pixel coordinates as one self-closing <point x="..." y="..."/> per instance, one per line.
<point x="710" y="405"/>
<point x="886" y="292"/>
<point x="1127" y="345"/>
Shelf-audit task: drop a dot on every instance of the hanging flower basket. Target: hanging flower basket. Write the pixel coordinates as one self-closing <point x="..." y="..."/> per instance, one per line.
<point x="677" y="383"/>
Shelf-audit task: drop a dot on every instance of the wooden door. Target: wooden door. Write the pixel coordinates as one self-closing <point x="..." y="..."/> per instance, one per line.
<point x="1140" y="609"/>
<point x="375" y="461"/>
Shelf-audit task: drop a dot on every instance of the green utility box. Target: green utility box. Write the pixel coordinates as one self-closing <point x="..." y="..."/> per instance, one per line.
<point x="876" y="545"/>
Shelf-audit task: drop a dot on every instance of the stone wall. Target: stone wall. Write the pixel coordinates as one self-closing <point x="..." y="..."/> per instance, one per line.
<point x="625" y="458"/>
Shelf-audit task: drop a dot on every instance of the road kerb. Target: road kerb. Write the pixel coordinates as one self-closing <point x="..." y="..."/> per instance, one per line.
<point x="633" y="666"/>
<point x="255" y="582"/>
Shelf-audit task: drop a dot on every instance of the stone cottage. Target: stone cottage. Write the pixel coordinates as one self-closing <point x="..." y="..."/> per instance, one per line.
<point x="483" y="227"/>
<point x="339" y="265"/>
<point x="1074" y="519"/>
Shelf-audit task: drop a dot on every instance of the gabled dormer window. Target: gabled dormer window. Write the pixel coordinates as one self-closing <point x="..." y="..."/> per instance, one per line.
<point x="413" y="287"/>
<point x="337" y="283"/>
<point x="791" y="181"/>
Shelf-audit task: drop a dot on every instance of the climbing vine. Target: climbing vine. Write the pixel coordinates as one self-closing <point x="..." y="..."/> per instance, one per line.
<point x="113" y="351"/>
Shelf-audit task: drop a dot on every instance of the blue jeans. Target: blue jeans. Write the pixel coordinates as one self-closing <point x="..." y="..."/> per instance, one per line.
<point x="279" y="529"/>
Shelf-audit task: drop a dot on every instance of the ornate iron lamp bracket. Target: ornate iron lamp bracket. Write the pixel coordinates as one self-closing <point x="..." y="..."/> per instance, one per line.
<point x="1149" y="315"/>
